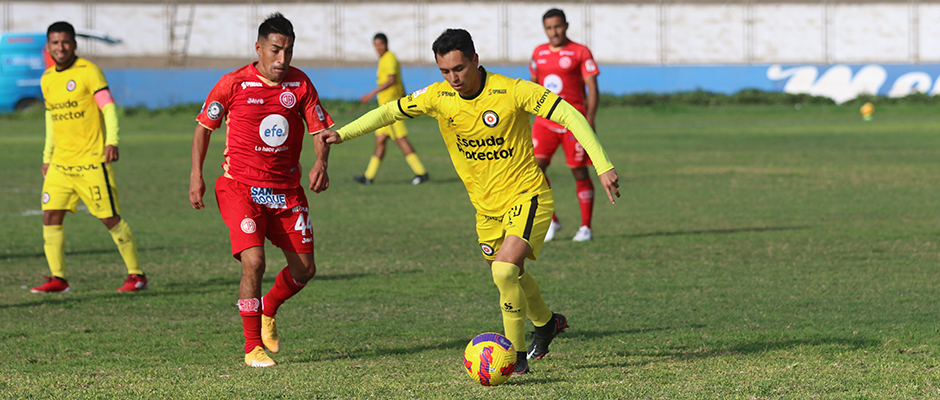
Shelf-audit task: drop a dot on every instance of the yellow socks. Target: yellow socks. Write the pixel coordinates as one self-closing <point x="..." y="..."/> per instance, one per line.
<point x="415" y="164"/>
<point x="536" y="309"/>
<point x="373" y="167"/>
<point x="512" y="301"/>
<point x="53" y="237"/>
<point x="121" y="233"/>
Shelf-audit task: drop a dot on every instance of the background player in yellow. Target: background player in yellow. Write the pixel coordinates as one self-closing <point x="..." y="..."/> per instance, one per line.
<point x="81" y="143"/>
<point x="484" y="119"/>
<point x="389" y="88"/>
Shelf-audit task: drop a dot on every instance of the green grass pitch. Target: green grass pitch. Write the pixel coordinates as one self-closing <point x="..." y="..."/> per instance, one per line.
<point x="757" y="253"/>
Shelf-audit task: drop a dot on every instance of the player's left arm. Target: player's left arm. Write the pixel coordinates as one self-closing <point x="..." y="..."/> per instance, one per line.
<point x="108" y="109"/>
<point x="542" y="102"/>
<point x="589" y="72"/>
<point x="593" y="96"/>
<point x="318" y="121"/>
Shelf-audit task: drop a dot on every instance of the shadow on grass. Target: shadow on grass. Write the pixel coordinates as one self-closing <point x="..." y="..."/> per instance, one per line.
<point x="379" y="352"/>
<point x="719" y="231"/>
<point x="168" y="289"/>
<point x="732" y="349"/>
<point x="76" y="252"/>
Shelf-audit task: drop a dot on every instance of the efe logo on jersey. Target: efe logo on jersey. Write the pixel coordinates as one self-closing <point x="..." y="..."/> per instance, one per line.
<point x="274" y="130"/>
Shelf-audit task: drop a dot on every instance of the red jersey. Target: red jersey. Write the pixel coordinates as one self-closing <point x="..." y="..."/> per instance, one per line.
<point x="264" y="125"/>
<point x="563" y="71"/>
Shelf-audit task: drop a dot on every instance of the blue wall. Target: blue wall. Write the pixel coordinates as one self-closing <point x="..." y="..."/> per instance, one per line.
<point x="161" y="87"/>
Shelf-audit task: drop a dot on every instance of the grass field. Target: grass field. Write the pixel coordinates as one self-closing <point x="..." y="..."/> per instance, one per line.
<point x="758" y="252"/>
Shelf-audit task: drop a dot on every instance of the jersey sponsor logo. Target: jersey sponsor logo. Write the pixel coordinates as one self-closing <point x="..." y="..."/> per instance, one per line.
<point x="70" y="86"/>
<point x="267" y="198"/>
<point x="491" y="119"/>
<point x="64" y="104"/>
<point x="418" y="93"/>
<point x="564" y="62"/>
<point x="566" y="53"/>
<point x="214" y="111"/>
<point x="255" y="101"/>
<point x="544" y="52"/>
<point x="538" y="104"/>
<point x="45" y="197"/>
<point x="487" y="249"/>
<point x="248" y="84"/>
<point x="319" y="111"/>
<point x="495" y="91"/>
<point x="288" y="100"/>
<point x="590" y="66"/>
<point x="274" y="129"/>
<point x="76" y="168"/>
<point x="469" y="146"/>
<point x="542" y="61"/>
<point x="290" y="84"/>
<point x="446" y="93"/>
<point x="248" y="226"/>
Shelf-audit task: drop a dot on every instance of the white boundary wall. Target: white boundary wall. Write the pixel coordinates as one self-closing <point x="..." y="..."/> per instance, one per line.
<point x="504" y="31"/>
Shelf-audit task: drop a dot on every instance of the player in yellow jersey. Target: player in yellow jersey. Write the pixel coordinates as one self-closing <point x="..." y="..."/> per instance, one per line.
<point x="390" y="88"/>
<point x="484" y="119"/>
<point x="81" y="143"/>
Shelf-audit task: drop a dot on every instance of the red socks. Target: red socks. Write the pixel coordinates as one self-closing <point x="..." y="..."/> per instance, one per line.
<point x="585" y="190"/>
<point x="284" y="288"/>
<point x="250" y="310"/>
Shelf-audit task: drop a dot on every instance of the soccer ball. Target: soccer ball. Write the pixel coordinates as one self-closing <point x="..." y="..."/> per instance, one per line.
<point x="490" y="359"/>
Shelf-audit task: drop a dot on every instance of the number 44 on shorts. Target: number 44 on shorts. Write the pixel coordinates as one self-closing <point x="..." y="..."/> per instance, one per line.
<point x="303" y="224"/>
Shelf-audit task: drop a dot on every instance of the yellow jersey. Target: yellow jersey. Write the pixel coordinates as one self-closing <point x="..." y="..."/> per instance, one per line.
<point x="388" y="66"/>
<point x="77" y="123"/>
<point x="489" y="136"/>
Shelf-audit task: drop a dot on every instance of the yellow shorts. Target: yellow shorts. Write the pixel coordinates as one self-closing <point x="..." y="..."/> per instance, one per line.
<point x="394" y="131"/>
<point x="93" y="184"/>
<point x="528" y="220"/>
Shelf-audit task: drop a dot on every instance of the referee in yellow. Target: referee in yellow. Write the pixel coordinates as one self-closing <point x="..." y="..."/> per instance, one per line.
<point x="389" y="88"/>
<point x="81" y="143"/>
<point x="484" y="119"/>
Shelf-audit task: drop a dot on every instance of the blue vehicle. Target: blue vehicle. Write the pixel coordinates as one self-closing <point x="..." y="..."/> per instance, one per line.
<point x="23" y="59"/>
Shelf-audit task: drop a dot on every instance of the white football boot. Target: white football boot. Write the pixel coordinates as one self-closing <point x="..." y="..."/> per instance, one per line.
<point x="584" y="234"/>
<point x="552" y="230"/>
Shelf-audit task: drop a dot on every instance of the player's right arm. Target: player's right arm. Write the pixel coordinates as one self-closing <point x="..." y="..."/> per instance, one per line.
<point x="197" y="186"/>
<point x="50" y="144"/>
<point x="210" y="118"/>
<point x="409" y="106"/>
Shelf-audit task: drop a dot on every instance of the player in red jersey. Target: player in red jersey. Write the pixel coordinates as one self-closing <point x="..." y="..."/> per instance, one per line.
<point x="265" y="105"/>
<point x="565" y="68"/>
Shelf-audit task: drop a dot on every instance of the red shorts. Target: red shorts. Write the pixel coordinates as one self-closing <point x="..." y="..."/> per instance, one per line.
<point x="252" y="214"/>
<point x="547" y="135"/>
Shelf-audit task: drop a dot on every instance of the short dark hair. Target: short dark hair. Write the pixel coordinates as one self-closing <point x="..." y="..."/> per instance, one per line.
<point x="381" y="36"/>
<point x="454" y="39"/>
<point x="276" y="23"/>
<point x="61" y="26"/>
<point x="555" y="13"/>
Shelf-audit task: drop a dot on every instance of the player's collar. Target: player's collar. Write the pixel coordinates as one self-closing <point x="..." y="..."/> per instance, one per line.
<point x="482" y="85"/>
<point x="74" y="60"/>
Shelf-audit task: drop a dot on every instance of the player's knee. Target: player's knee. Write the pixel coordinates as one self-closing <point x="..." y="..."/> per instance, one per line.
<point x="253" y="261"/>
<point x="504" y="273"/>
<point x="580" y="174"/>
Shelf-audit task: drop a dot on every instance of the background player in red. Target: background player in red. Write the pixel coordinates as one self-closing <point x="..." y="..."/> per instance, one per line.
<point x="566" y="68"/>
<point x="265" y="105"/>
